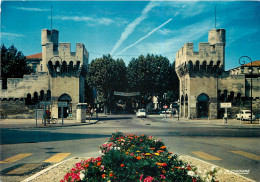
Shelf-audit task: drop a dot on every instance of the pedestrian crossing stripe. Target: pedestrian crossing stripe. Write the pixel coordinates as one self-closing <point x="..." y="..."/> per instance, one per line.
<point x="24" y="169"/>
<point x="57" y="158"/>
<point x="16" y="158"/>
<point x="247" y="154"/>
<point x="205" y="155"/>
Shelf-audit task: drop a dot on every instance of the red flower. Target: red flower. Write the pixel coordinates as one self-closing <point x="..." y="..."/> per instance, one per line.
<point x="162" y="176"/>
<point x="141" y="177"/>
<point x="164" y="164"/>
<point x="99" y="163"/>
<point x="122" y="165"/>
<point x="103" y="175"/>
<point x="138" y="158"/>
<point x="148" y="179"/>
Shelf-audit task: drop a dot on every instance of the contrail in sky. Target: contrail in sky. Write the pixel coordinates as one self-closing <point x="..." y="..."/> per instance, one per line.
<point x="131" y="27"/>
<point x="144" y="37"/>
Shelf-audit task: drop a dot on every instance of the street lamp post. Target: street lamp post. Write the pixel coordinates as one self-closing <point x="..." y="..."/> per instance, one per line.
<point x="251" y="86"/>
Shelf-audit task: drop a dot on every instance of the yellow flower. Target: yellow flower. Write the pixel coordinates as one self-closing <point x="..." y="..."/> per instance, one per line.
<point x="137" y="151"/>
<point x="147" y="154"/>
<point x="127" y="153"/>
<point x="156" y="153"/>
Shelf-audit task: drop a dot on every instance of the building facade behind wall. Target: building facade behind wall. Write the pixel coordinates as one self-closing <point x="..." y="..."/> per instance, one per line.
<point x="204" y="83"/>
<point x="59" y="76"/>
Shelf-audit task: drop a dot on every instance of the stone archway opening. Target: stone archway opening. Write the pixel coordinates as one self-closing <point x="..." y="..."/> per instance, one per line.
<point x="186" y="106"/>
<point x="203" y="106"/>
<point x="182" y="106"/>
<point x="66" y="110"/>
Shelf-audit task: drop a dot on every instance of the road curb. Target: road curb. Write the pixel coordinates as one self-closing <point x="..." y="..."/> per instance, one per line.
<point x="46" y="170"/>
<point x="220" y="170"/>
<point x="182" y="157"/>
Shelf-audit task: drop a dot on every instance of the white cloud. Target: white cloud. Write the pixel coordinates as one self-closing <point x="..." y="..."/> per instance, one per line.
<point x="30" y="9"/>
<point x="186" y="34"/>
<point x="131" y="27"/>
<point x="146" y="36"/>
<point x="164" y="31"/>
<point x="90" y="20"/>
<point x="187" y="8"/>
<point x="10" y="35"/>
<point x="237" y="33"/>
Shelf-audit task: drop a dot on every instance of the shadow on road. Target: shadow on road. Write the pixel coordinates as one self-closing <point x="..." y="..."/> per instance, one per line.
<point x="114" y="118"/>
<point x="14" y="136"/>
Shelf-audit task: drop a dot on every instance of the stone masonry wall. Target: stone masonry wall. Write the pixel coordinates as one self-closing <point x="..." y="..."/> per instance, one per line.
<point x="16" y="109"/>
<point x="65" y="85"/>
<point x="20" y="87"/>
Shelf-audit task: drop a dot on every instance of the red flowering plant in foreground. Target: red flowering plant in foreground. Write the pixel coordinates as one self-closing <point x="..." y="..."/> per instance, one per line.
<point x="129" y="157"/>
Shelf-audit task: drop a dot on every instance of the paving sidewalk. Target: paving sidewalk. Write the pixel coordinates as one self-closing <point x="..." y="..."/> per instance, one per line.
<point x="220" y="122"/>
<point x="25" y="123"/>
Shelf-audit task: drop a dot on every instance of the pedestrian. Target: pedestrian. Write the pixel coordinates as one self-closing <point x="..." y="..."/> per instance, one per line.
<point x="91" y="112"/>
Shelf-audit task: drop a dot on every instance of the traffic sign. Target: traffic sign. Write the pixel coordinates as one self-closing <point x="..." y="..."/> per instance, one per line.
<point x="226" y="105"/>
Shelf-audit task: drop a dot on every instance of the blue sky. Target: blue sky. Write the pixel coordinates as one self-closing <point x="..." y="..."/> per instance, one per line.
<point x="128" y="29"/>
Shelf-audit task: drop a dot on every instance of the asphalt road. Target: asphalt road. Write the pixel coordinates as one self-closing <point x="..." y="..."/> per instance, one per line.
<point x="235" y="148"/>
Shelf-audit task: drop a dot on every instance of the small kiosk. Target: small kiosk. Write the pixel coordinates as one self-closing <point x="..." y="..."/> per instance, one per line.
<point x="81" y="112"/>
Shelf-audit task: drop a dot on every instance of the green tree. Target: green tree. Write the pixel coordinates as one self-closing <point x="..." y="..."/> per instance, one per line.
<point x="107" y="75"/>
<point x="13" y="64"/>
<point x="148" y="75"/>
<point x="153" y="75"/>
<point x="173" y="87"/>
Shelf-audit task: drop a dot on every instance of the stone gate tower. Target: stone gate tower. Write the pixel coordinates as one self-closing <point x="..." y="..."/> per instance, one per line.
<point x="58" y="80"/>
<point x="67" y="72"/>
<point x="198" y="73"/>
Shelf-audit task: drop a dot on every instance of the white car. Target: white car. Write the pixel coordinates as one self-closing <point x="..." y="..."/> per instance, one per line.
<point x="141" y="113"/>
<point x="245" y="115"/>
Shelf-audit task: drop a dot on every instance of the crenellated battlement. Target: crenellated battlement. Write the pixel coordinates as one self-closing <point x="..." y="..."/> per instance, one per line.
<point x="206" y="53"/>
<point x="210" y="55"/>
<point x="57" y="58"/>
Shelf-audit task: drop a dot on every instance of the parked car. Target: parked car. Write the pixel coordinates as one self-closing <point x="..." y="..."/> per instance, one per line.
<point x="141" y="113"/>
<point x="245" y="115"/>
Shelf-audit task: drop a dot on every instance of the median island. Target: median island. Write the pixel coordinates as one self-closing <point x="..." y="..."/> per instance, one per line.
<point x="129" y="157"/>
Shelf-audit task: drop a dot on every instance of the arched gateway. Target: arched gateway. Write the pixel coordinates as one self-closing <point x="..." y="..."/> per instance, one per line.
<point x="202" y="106"/>
<point x="66" y="110"/>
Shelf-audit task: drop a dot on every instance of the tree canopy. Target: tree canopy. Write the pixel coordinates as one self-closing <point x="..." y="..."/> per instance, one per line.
<point x="13" y="64"/>
<point x="151" y="75"/>
<point x="107" y="75"/>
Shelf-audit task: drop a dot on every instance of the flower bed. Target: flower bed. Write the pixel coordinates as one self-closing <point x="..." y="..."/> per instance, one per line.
<point x="128" y="157"/>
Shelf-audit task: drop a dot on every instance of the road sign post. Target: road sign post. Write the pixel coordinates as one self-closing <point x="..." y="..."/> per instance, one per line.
<point x="225" y="105"/>
<point x="165" y="107"/>
<point x="62" y="105"/>
<point x="36" y="115"/>
<point x="45" y="103"/>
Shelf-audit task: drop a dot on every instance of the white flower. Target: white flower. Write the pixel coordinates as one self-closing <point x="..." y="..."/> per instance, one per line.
<point x="191" y="173"/>
<point x="81" y="175"/>
<point x="213" y="167"/>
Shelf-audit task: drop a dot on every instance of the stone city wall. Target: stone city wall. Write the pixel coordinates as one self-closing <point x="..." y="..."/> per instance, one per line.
<point x="20" y="87"/>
